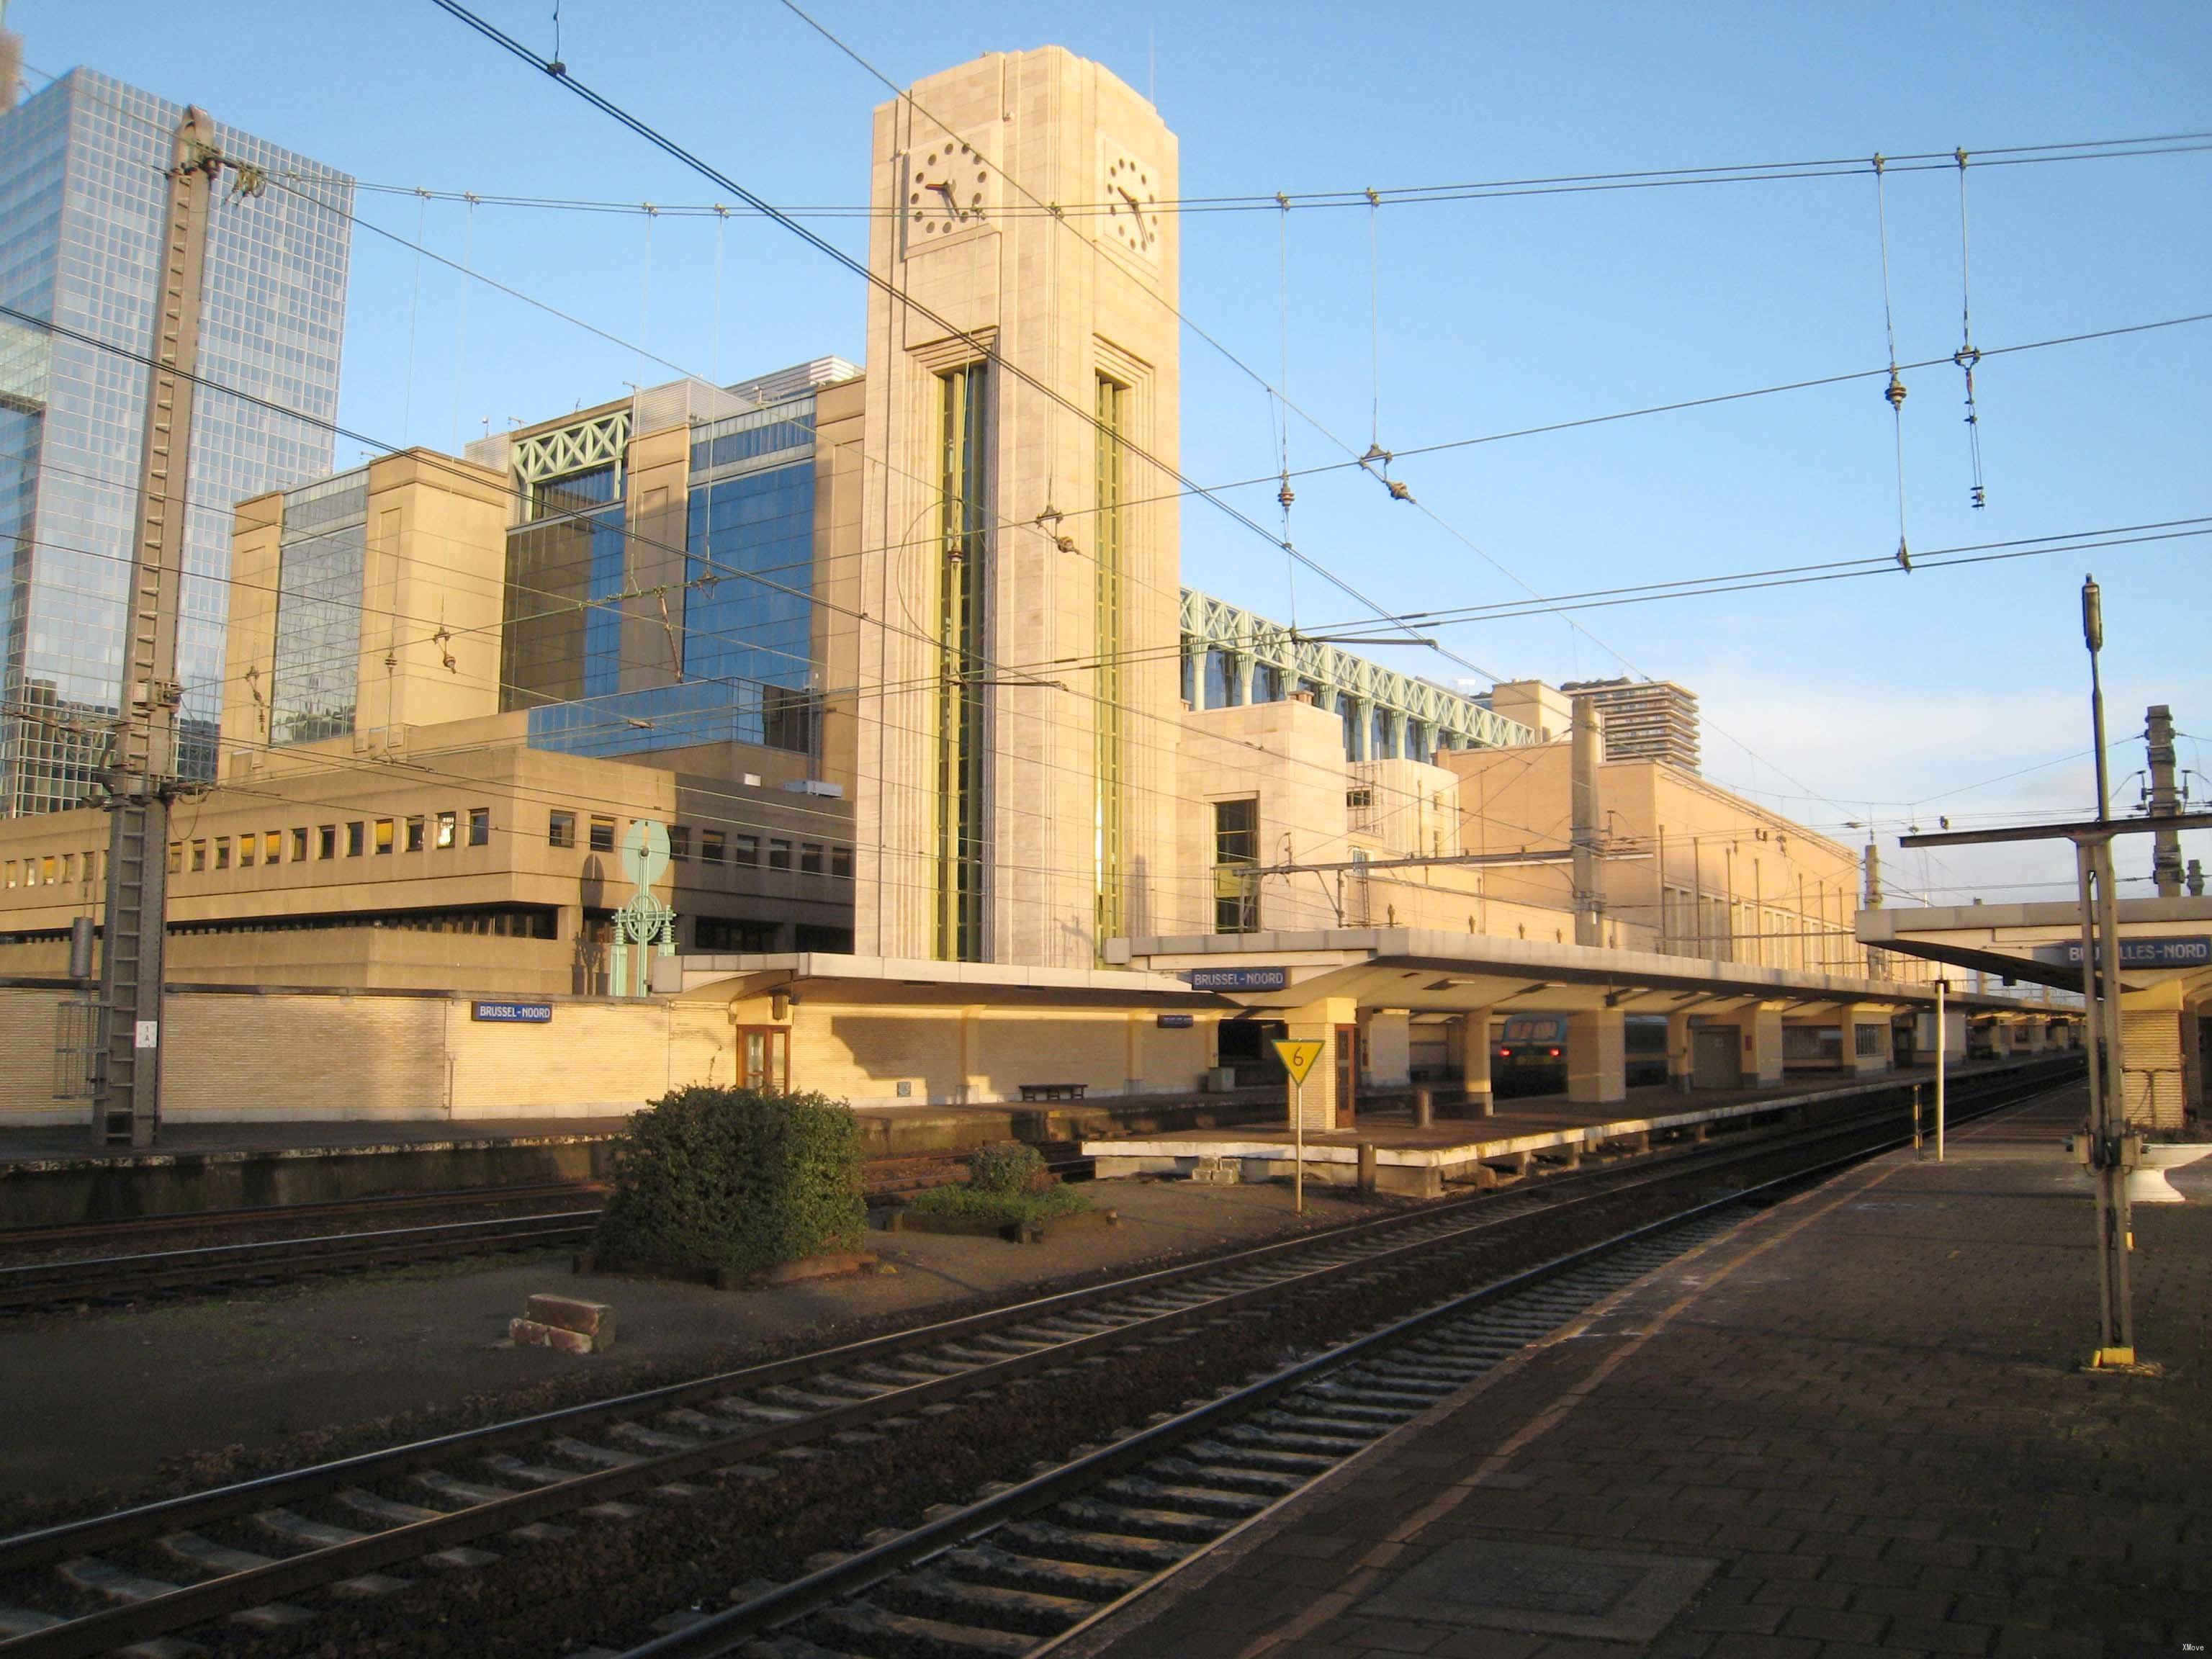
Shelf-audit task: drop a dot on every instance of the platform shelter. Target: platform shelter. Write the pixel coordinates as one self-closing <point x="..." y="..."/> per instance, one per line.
<point x="1378" y="995"/>
<point x="2166" y="980"/>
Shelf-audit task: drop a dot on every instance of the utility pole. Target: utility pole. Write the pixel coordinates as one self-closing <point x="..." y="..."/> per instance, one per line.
<point x="141" y="777"/>
<point x="1590" y="903"/>
<point x="2165" y="800"/>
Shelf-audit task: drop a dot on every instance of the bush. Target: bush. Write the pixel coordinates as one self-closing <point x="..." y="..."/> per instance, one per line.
<point x="1005" y="1208"/>
<point x="739" y="1179"/>
<point x="1007" y="1166"/>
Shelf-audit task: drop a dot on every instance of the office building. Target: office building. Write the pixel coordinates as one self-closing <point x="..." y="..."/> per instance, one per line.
<point x="1643" y="719"/>
<point x="81" y="186"/>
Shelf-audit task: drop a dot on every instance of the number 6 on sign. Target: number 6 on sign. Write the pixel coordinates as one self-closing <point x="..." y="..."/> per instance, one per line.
<point x="1298" y="1056"/>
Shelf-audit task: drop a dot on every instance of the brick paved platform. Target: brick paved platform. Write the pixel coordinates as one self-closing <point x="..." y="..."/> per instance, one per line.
<point x="1853" y="1427"/>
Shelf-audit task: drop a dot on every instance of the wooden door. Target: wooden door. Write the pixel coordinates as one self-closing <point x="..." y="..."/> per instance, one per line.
<point x="1346" y="1048"/>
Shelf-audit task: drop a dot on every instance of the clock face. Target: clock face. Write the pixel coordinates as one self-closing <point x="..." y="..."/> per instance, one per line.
<point x="947" y="187"/>
<point x="1131" y="193"/>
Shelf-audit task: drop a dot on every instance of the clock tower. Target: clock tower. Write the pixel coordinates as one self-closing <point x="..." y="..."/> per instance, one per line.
<point x="1016" y="674"/>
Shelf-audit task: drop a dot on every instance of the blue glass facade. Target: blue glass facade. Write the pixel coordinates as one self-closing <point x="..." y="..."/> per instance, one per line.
<point x="81" y="192"/>
<point x="744" y="618"/>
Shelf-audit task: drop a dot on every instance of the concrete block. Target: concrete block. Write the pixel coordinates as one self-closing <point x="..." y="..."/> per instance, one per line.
<point x="571" y="1313"/>
<point x="567" y="1324"/>
<point x="530" y="1334"/>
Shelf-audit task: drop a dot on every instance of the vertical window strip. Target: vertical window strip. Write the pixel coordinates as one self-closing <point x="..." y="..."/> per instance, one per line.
<point x="962" y="632"/>
<point x="1109" y="894"/>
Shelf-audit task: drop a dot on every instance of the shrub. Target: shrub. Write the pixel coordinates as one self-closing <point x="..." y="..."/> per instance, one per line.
<point x="739" y="1179"/>
<point x="1007" y="1166"/>
<point x="1006" y="1208"/>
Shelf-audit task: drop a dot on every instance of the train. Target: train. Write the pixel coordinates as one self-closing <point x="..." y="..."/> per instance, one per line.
<point x="1528" y="1053"/>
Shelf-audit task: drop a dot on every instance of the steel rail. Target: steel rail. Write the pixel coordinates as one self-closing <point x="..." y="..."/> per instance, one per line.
<point x="717" y="1633"/>
<point x="41" y="1235"/>
<point x="196" y="1604"/>
<point x="36" y="1284"/>
<point x="36" y="1547"/>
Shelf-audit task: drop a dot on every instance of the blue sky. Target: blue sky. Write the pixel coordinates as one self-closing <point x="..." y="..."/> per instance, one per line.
<point x="1882" y="698"/>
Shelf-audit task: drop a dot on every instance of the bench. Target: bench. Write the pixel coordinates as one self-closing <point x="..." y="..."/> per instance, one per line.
<point x="1053" y="1090"/>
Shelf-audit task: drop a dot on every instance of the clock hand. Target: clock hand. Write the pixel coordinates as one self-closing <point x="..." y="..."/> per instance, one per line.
<point x="943" y="188"/>
<point x="1136" y="209"/>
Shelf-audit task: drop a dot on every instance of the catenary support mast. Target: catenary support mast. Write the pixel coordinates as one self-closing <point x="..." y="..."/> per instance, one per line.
<point x="141" y="777"/>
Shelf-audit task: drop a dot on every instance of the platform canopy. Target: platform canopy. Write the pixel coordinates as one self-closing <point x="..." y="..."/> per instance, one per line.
<point x="2165" y="943"/>
<point x="1435" y="972"/>
<point x="843" y="978"/>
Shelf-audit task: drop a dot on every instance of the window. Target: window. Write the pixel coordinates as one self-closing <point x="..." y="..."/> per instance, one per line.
<point x="11" y="865"/>
<point x="680" y="841"/>
<point x="480" y="826"/>
<point x="326" y="841"/>
<point x="222" y="853"/>
<point x="841" y="863"/>
<point x="1235" y="860"/>
<point x="299" y="847"/>
<point x="810" y="858"/>
<point x="199" y="856"/>
<point x="273" y="846"/>
<point x="249" y="849"/>
<point x="383" y="829"/>
<point x="69" y="869"/>
<point x="448" y="825"/>
<point x="748" y="851"/>
<point x="357" y="839"/>
<point x="779" y="853"/>
<point x="603" y="834"/>
<point x="711" y="845"/>
<point x="1866" y="1040"/>
<point x="176" y="861"/>
<point x="418" y="831"/>
<point x="561" y="829"/>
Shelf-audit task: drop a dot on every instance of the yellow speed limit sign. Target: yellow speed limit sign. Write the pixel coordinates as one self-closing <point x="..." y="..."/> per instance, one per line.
<point x="1298" y="1056"/>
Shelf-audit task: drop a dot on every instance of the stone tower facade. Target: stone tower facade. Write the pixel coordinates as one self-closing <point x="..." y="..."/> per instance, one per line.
<point x="1015" y="671"/>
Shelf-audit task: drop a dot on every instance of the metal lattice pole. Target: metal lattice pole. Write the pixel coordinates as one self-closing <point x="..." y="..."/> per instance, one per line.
<point x="142" y="773"/>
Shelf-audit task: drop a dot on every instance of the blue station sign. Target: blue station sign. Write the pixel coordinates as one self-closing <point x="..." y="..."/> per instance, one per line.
<point x="1176" y="1022"/>
<point x="2189" y="952"/>
<point x="1238" y="979"/>
<point x="512" y="1014"/>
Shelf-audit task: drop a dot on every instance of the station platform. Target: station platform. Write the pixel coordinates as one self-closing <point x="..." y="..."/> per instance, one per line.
<point x="1856" y="1424"/>
<point x="1417" y="1161"/>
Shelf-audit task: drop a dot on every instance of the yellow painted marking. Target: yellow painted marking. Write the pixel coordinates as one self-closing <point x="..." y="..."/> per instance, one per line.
<point x="1298" y="1056"/>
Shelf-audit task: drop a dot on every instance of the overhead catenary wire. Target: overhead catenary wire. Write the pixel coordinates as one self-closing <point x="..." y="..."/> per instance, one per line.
<point x="1894" y="392"/>
<point x="1966" y="357"/>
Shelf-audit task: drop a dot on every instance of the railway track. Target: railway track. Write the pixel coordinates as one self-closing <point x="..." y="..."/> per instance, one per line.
<point x="106" y="1234"/>
<point x="114" y="1280"/>
<point x="250" y="1551"/>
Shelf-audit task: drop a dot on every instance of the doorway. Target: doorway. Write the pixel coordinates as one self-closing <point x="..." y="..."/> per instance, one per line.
<point x="764" y="1057"/>
<point x="1714" y="1061"/>
<point x="1347" y="1056"/>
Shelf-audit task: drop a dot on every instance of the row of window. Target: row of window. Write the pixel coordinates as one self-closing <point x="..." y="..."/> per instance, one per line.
<point x="361" y="837"/>
<point x="813" y="858"/>
<point x="51" y="869"/>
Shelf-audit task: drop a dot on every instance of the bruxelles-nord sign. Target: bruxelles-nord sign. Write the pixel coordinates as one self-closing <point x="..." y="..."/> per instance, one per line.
<point x="512" y="1013"/>
<point x="1237" y="979"/>
<point x="2192" y="952"/>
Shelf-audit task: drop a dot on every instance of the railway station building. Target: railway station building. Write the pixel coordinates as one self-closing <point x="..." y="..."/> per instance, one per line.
<point x="965" y="796"/>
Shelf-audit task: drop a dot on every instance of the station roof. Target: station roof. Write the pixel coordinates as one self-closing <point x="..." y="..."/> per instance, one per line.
<point x="908" y="980"/>
<point x="2161" y="941"/>
<point x="1438" y="972"/>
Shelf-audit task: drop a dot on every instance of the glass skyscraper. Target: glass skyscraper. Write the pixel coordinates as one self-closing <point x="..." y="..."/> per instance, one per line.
<point x="81" y="185"/>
